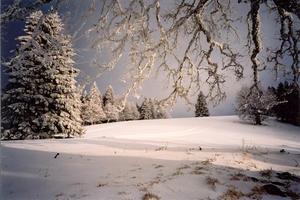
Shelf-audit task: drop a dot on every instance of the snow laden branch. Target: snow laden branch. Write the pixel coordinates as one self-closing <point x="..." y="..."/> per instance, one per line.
<point x="289" y="37"/>
<point x="254" y="33"/>
<point x="19" y="10"/>
<point x="179" y="43"/>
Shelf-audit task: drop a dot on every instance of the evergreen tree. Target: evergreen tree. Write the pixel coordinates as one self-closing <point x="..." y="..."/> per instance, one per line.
<point x="111" y="111"/>
<point x="130" y="112"/>
<point x="126" y="113"/>
<point x="92" y="110"/>
<point x="135" y="112"/>
<point x="41" y="99"/>
<point x="201" y="109"/>
<point x="152" y="107"/>
<point x="161" y="112"/>
<point x="255" y="105"/>
<point x="110" y="105"/>
<point x="145" y="110"/>
<point x="14" y="104"/>
<point x="158" y="111"/>
<point x="289" y="109"/>
<point x="109" y="96"/>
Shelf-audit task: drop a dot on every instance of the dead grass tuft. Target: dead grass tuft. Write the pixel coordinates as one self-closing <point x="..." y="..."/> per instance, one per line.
<point x="212" y="182"/>
<point x="102" y="185"/>
<point x="267" y="173"/>
<point x="184" y="167"/>
<point x="232" y="194"/>
<point x="161" y="148"/>
<point x="256" y="192"/>
<point x="158" y="166"/>
<point x="150" y="196"/>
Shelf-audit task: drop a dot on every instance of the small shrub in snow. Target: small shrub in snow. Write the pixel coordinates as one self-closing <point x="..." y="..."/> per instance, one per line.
<point x="232" y="194"/>
<point x="212" y="182"/>
<point x="267" y="173"/>
<point x="150" y="196"/>
<point x="162" y="148"/>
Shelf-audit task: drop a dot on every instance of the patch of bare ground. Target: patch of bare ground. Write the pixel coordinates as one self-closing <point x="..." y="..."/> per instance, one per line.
<point x="270" y="182"/>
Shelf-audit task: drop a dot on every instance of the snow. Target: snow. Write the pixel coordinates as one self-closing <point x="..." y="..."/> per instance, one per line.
<point x="125" y="160"/>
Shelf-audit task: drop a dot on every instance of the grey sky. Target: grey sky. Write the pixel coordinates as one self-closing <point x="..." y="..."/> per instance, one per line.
<point x="76" y="24"/>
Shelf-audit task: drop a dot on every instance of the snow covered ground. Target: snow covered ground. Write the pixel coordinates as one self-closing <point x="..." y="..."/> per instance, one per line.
<point x="191" y="158"/>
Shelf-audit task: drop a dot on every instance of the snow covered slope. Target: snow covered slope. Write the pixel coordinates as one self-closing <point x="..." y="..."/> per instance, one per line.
<point x="192" y="158"/>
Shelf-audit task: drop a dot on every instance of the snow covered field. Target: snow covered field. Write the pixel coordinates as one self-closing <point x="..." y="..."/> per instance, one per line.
<point x="191" y="158"/>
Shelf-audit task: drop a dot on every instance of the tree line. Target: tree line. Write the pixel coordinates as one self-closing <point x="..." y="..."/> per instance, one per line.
<point x="98" y="109"/>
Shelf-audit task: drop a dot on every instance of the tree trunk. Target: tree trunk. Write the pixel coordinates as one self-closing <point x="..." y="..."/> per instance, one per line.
<point x="257" y="119"/>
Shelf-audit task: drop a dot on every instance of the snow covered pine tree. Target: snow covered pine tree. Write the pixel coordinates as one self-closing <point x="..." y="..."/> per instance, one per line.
<point x="109" y="96"/>
<point x="15" y="124"/>
<point x="130" y="112"/>
<point x="201" y="109"/>
<point x="110" y="109"/>
<point x="145" y="110"/>
<point x="41" y="99"/>
<point x="92" y="109"/>
<point x="158" y="111"/>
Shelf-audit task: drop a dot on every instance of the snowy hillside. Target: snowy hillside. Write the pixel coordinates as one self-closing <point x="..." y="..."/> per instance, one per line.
<point x="192" y="158"/>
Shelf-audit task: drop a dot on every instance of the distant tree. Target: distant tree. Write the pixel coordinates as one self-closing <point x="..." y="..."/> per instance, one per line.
<point x="125" y="114"/>
<point x="289" y="109"/>
<point x="109" y="96"/>
<point x="129" y="112"/>
<point x="135" y="112"/>
<point x="111" y="111"/>
<point x="255" y="105"/>
<point x="145" y="110"/>
<point x="41" y="99"/>
<point x="158" y="111"/>
<point x="150" y="109"/>
<point x="201" y="109"/>
<point x="92" y="109"/>
<point x="161" y="113"/>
